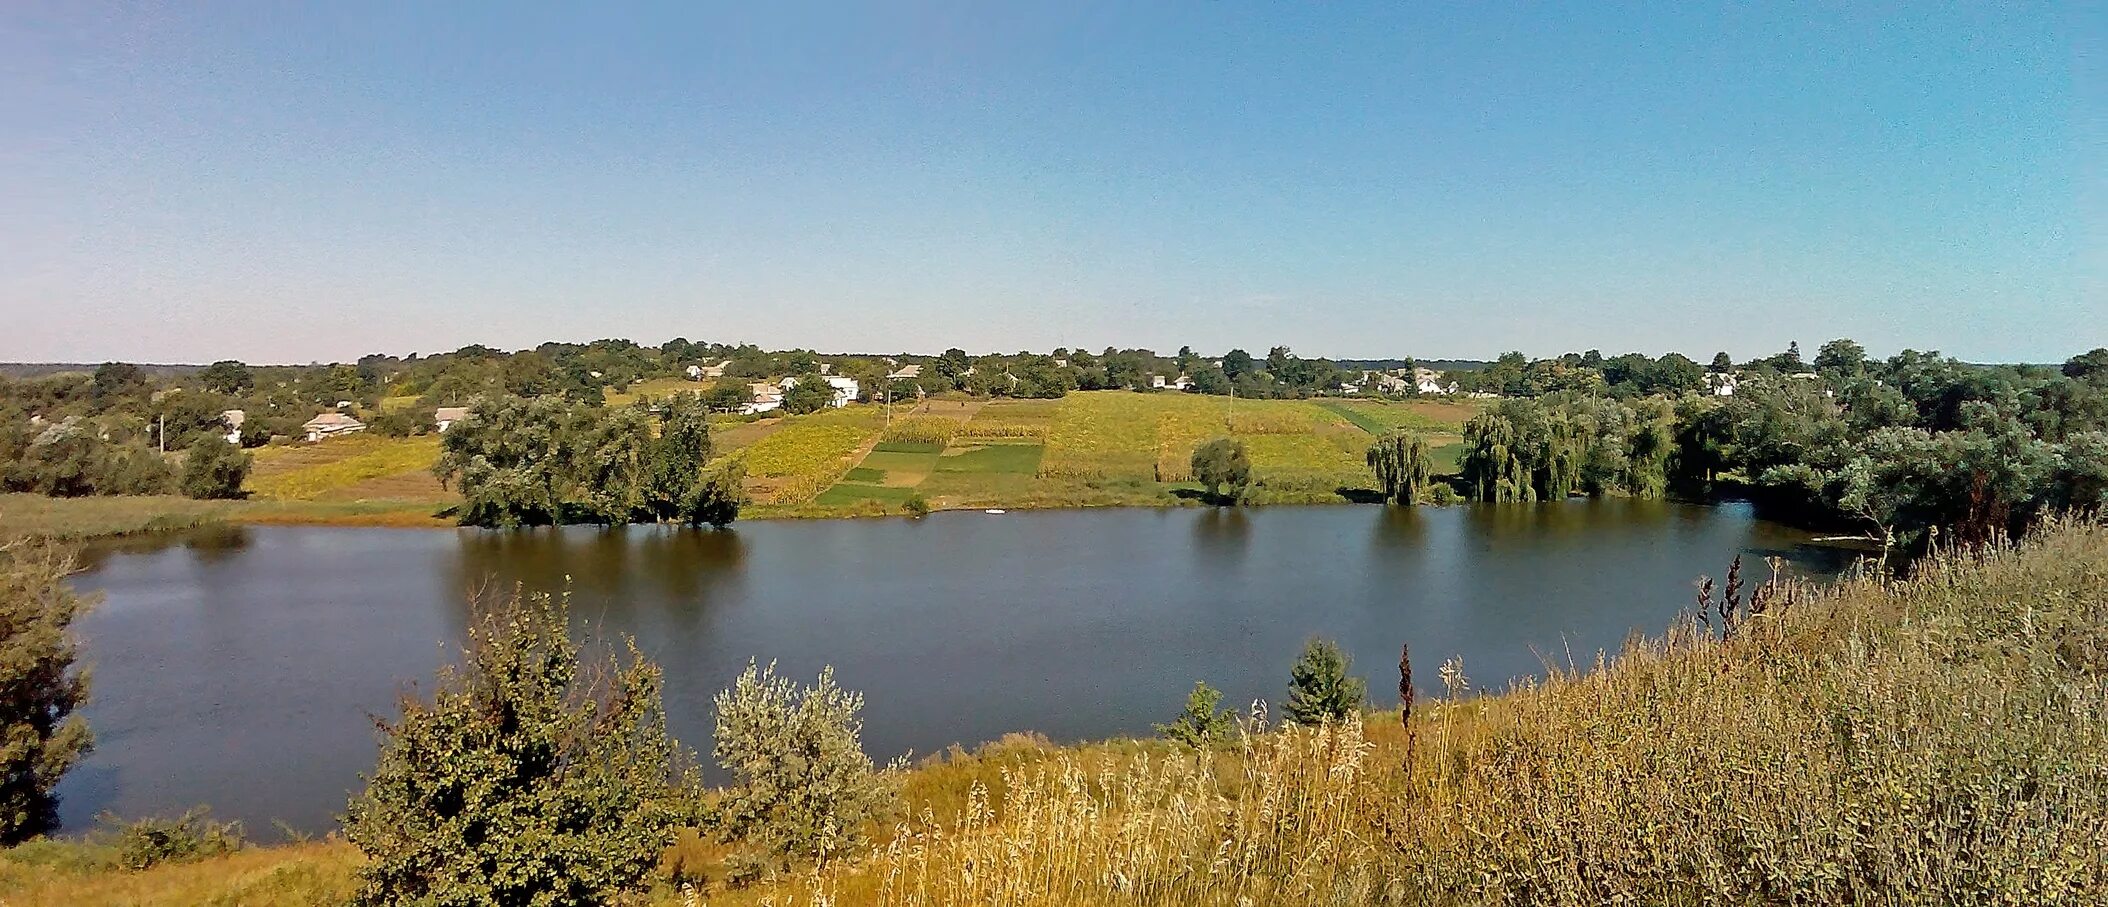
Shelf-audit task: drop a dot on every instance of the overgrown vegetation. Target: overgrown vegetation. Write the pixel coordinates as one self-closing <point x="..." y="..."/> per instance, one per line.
<point x="803" y="790"/>
<point x="532" y="776"/>
<point x="41" y="734"/>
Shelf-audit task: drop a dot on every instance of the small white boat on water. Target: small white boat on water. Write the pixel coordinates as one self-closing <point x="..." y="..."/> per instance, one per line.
<point x="992" y="510"/>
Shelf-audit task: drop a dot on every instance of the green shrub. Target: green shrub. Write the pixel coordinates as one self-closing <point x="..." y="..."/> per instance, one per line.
<point x="1222" y="463"/>
<point x="214" y="469"/>
<point x="193" y="835"/>
<point x="918" y="506"/>
<point x="528" y="778"/>
<point x="1203" y="724"/>
<point x="1319" y="688"/>
<point x="813" y="807"/>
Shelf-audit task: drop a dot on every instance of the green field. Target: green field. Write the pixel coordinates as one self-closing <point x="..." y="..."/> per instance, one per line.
<point x="1089" y="449"/>
<point x="1095" y="448"/>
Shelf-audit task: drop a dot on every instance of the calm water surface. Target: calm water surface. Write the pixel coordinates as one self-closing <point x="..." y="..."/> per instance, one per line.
<point x="241" y="668"/>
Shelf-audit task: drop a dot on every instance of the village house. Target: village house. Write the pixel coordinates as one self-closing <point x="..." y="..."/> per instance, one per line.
<point x="1385" y="383"/>
<point x="845" y="389"/>
<point x="1721" y="384"/>
<point x="448" y="415"/>
<point x="330" y="425"/>
<point x="1181" y="383"/>
<point x="233" y="420"/>
<point x="711" y="371"/>
<point x="908" y="372"/>
<point x="1429" y="381"/>
<point x="762" y="397"/>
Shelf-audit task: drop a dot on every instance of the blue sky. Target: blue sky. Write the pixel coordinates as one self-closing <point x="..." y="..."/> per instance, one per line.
<point x="293" y="182"/>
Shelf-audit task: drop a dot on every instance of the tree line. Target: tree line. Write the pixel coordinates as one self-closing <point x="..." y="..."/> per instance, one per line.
<point x="545" y="460"/>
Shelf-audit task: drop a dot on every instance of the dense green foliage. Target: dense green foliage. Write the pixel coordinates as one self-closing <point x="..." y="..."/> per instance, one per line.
<point x="1319" y="687"/>
<point x="1532" y="450"/>
<point x="532" y="776"/>
<point x="548" y="460"/>
<point x="41" y="736"/>
<point x="802" y="789"/>
<point x="1222" y="464"/>
<point x="1403" y="466"/>
<point x="214" y="469"/>
<point x="1896" y="447"/>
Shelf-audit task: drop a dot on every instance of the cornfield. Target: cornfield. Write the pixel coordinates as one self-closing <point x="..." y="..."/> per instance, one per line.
<point x="922" y="430"/>
<point x="811" y="453"/>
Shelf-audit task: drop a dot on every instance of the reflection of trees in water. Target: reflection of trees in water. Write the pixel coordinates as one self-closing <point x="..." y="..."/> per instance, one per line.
<point x="1222" y="533"/>
<point x="214" y="544"/>
<point x="1402" y="529"/>
<point x="606" y="570"/>
<point x="1536" y="522"/>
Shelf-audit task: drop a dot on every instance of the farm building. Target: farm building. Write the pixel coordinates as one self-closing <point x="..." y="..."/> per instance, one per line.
<point x="763" y="397"/>
<point x="448" y="415"/>
<point x="330" y="425"/>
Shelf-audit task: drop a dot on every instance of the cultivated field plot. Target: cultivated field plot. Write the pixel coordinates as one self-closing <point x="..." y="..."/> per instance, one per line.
<point x="804" y="455"/>
<point x="1125" y="435"/>
<point x="731" y="433"/>
<point x="1379" y="416"/>
<point x="1098" y="447"/>
<point x="364" y="466"/>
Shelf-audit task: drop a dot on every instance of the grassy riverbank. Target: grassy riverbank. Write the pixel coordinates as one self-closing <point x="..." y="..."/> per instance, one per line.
<point x="1089" y="449"/>
<point x="1942" y="739"/>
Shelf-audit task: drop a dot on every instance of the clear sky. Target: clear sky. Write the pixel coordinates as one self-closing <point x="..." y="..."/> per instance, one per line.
<point x="292" y="182"/>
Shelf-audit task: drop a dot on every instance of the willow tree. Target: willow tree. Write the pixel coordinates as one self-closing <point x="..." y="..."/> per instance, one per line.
<point x="1565" y="446"/>
<point x="1493" y="467"/>
<point x="1403" y="466"/>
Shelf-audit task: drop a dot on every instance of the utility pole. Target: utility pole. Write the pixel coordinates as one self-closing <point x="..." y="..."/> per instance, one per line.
<point x="164" y="433"/>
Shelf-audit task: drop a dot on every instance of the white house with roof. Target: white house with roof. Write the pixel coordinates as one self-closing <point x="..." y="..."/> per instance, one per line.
<point x="1722" y="384"/>
<point x="330" y="425"/>
<point x="845" y="389"/>
<point x="1429" y="381"/>
<point x="445" y="416"/>
<point x="907" y="372"/>
<point x="1180" y="383"/>
<point x="762" y="397"/>
<point x="233" y="420"/>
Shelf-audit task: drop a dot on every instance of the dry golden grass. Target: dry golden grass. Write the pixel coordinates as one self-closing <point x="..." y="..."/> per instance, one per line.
<point x="303" y="875"/>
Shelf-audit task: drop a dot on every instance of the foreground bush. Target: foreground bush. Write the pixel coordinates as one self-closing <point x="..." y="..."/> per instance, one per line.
<point x="803" y="789"/>
<point x="529" y="778"/>
<point x="40" y="735"/>
<point x="146" y="843"/>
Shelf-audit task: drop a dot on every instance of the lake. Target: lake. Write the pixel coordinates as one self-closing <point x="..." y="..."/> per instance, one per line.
<point x="241" y="668"/>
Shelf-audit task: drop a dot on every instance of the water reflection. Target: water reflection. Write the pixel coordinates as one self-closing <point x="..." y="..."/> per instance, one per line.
<point x="1221" y="535"/>
<point x="597" y="564"/>
<point x="241" y="669"/>
<point x="216" y="544"/>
